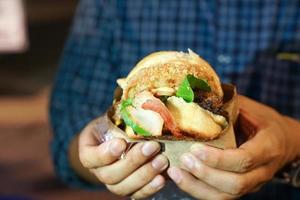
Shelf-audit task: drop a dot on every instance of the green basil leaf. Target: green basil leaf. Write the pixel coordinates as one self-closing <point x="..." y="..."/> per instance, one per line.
<point x="185" y="91"/>
<point x="126" y="103"/>
<point x="190" y="82"/>
<point x="127" y="119"/>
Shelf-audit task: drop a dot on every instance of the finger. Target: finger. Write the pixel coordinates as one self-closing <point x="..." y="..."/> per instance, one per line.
<point x="255" y="152"/>
<point x="252" y="116"/>
<point x="119" y="170"/>
<point x="234" y="160"/>
<point x="154" y="186"/>
<point x="101" y="155"/>
<point x="140" y="177"/>
<point x="232" y="183"/>
<point x="255" y="115"/>
<point x="198" y="189"/>
<point x="87" y="138"/>
<point x="252" y="106"/>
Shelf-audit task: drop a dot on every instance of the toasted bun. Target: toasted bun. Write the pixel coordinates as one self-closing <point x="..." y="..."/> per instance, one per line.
<point x="168" y="69"/>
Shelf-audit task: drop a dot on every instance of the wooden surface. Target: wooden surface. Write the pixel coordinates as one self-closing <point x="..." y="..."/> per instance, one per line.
<point x="25" y="163"/>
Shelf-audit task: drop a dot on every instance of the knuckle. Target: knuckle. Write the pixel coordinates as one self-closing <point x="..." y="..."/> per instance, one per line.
<point x="99" y="174"/>
<point x="141" y="194"/>
<point x="201" y="171"/>
<point x="132" y="160"/>
<point x="246" y="163"/>
<point x="278" y="153"/>
<point x="218" y="160"/>
<point x="268" y="175"/>
<point x="104" y="177"/>
<point x="116" y="190"/>
<point x="185" y="185"/>
<point x="84" y="159"/>
<point x="239" y="186"/>
<point x="135" y="157"/>
<point x="149" y="173"/>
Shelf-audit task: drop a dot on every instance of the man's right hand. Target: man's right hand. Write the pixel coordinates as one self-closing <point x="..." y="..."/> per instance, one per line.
<point x="137" y="174"/>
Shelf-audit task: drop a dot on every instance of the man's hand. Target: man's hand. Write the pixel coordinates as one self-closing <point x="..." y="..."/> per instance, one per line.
<point x="211" y="173"/>
<point x="137" y="175"/>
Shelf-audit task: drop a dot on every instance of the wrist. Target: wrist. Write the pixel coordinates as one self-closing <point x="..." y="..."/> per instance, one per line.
<point x="294" y="132"/>
<point x="290" y="173"/>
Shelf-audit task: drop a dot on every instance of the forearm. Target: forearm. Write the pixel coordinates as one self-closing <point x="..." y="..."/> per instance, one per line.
<point x="76" y="164"/>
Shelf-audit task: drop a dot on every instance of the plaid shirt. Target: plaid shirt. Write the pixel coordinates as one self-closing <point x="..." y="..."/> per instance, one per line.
<point x="243" y="40"/>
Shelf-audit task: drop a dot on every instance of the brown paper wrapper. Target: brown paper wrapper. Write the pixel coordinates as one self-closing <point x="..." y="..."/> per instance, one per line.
<point x="172" y="148"/>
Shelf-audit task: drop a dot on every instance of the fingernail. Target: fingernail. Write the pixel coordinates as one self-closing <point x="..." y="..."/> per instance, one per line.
<point x="188" y="161"/>
<point x="175" y="174"/>
<point x="157" y="182"/>
<point x="149" y="148"/>
<point x="160" y="162"/>
<point x="116" y="147"/>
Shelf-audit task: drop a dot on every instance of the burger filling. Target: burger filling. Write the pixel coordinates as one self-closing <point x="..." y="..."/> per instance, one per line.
<point x="188" y="110"/>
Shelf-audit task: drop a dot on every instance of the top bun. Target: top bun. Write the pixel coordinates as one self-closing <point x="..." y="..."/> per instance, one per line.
<point x="168" y="69"/>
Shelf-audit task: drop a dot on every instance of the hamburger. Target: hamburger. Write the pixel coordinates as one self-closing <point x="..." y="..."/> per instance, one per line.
<point x="173" y="96"/>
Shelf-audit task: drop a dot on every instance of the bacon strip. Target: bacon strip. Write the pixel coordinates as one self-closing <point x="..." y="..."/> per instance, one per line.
<point x="157" y="106"/>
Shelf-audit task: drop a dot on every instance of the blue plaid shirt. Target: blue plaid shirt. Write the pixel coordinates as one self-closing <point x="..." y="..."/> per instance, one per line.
<point x="242" y="40"/>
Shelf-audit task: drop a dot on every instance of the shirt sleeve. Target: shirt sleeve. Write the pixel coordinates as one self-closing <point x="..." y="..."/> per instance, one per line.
<point x="84" y="85"/>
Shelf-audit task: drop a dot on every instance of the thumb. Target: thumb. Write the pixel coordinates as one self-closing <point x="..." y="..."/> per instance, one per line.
<point x="249" y="105"/>
<point x="249" y="124"/>
<point x="253" y="115"/>
<point x="254" y="107"/>
<point x="253" y="123"/>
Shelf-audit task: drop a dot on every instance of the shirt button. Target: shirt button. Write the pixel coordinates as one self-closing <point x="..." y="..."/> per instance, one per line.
<point x="224" y="59"/>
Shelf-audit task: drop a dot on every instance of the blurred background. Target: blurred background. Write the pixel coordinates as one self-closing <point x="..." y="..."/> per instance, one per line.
<point x="32" y="36"/>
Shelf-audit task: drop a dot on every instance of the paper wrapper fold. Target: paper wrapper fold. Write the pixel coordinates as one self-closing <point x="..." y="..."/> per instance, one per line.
<point x="173" y="148"/>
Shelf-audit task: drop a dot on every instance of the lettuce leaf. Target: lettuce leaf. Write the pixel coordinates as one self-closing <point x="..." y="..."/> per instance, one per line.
<point x="129" y="122"/>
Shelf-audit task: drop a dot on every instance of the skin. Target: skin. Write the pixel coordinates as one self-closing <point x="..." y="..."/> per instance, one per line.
<point x="136" y="175"/>
<point x="205" y="172"/>
<point x="210" y="173"/>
